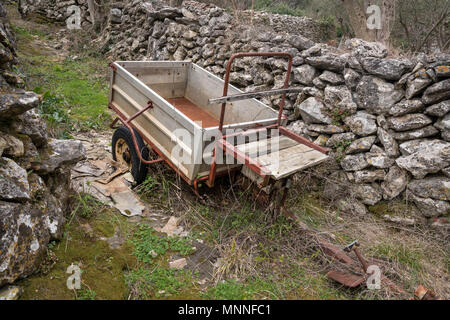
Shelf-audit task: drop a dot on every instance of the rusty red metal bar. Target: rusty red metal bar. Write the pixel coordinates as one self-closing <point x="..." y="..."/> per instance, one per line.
<point x="255" y="54"/>
<point x="255" y="166"/>
<point x="242" y="157"/>
<point x="149" y="106"/>
<point x="288" y="133"/>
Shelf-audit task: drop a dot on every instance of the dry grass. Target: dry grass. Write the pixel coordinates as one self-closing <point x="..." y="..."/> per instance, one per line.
<point x="254" y="244"/>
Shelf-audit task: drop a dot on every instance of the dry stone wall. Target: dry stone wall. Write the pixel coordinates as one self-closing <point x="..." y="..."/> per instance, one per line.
<point x="34" y="172"/>
<point x="386" y="118"/>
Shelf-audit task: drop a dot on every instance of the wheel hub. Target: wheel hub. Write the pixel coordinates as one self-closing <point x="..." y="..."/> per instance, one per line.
<point x="123" y="154"/>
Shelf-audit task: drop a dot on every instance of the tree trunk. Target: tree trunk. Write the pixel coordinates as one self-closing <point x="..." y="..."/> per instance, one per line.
<point x="388" y="16"/>
<point x="356" y="11"/>
<point x="96" y="13"/>
<point x="357" y="15"/>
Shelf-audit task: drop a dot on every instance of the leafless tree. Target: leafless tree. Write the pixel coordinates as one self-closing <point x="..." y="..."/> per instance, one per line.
<point x="97" y="12"/>
<point x="423" y="25"/>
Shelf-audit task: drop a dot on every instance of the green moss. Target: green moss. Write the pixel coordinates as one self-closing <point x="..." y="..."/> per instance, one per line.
<point x="102" y="267"/>
<point x="392" y="208"/>
<point x="103" y="228"/>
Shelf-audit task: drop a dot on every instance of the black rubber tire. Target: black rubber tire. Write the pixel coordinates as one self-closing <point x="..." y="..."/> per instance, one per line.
<point x="138" y="168"/>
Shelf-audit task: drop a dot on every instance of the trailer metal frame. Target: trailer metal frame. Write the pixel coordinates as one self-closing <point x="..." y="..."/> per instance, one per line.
<point x="222" y="144"/>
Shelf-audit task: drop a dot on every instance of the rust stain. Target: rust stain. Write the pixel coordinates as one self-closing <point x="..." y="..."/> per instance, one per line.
<point x="194" y="112"/>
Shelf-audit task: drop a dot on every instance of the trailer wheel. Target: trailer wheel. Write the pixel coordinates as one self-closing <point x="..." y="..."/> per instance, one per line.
<point x="124" y="152"/>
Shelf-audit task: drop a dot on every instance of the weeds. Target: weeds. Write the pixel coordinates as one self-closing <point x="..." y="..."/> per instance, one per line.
<point x="86" y="294"/>
<point x="158" y="282"/>
<point x="148" y="245"/>
<point x="87" y="205"/>
<point x="75" y="90"/>
<point x="54" y="109"/>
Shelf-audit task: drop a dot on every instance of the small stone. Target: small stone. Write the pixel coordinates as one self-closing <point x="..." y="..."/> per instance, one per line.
<point x="361" y="145"/>
<point x="429" y="207"/>
<point x="416" y="86"/>
<point x="442" y="71"/>
<point x="352" y="206"/>
<point x="339" y="139"/>
<point x="12" y="146"/>
<point x="305" y="74"/>
<point x="388" y="142"/>
<point x="394" y="183"/>
<point x="446" y="172"/>
<point x="331" y="62"/>
<point x="368" y="194"/>
<point x="327" y="129"/>
<point x="321" y="140"/>
<point x="339" y="98"/>
<point x="15" y="104"/>
<point x="13" y="181"/>
<point x="428" y="131"/>
<point x="354" y="162"/>
<point x="332" y="78"/>
<point x="61" y="153"/>
<point x="409" y="122"/>
<point x="406" y="106"/>
<point x="376" y="95"/>
<point x="400" y="220"/>
<point x="439" y="109"/>
<point x="367" y="176"/>
<point x="379" y="160"/>
<point x="437" y="92"/>
<point x="313" y="111"/>
<point x="364" y="48"/>
<point x="362" y="123"/>
<point x="299" y="127"/>
<point x="382" y="122"/>
<point x="444" y="123"/>
<point x="178" y="264"/>
<point x="429" y="158"/>
<point x="351" y="78"/>
<point x="300" y="42"/>
<point x="437" y="188"/>
<point x="10" y="293"/>
<point x="319" y="83"/>
<point x="410" y="147"/>
<point x="390" y="69"/>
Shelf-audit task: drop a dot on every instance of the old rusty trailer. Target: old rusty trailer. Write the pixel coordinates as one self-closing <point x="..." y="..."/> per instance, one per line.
<point x="156" y="100"/>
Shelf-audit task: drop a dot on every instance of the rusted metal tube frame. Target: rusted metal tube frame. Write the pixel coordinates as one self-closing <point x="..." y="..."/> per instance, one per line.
<point x="254" y="165"/>
<point x="234" y="151"/>
<point x="255" y="54"/>
<point x="288" y="133"/>
<point x="228" y="148"/>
